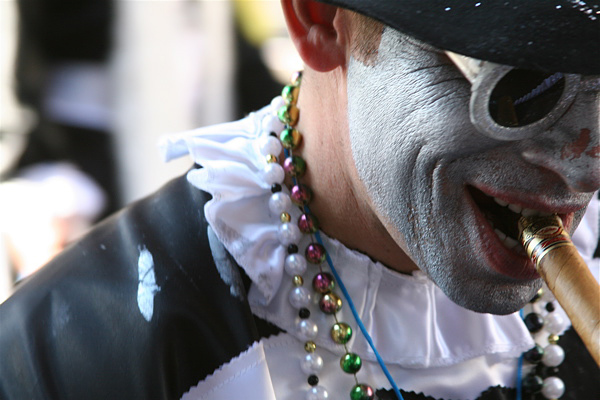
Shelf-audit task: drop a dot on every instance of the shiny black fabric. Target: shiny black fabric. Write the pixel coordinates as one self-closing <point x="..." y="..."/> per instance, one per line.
<point x="556" y="36"/>
<point x="75" y="330"/>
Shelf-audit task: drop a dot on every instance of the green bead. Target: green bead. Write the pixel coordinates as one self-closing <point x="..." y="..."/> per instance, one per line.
<point x="290" y="94"/>
<point x="290" y="138"/>
<point x="289" y="114"/>
<point x="341" y="333"/>
<point x="362" y="392"/>
<point x="350" y="363"/>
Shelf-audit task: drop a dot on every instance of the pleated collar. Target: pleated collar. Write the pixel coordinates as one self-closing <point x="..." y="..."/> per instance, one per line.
<point x="412" y="322"/>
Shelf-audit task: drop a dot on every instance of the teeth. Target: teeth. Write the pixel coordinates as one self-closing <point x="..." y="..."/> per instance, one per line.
<point x="510" y="242"/>
<point x="501" y="202"/>
<point x="529" y="212"/>
<point x="515" y="208"/>
<point x="500" y="234"/>
<point x="526" y="212"/>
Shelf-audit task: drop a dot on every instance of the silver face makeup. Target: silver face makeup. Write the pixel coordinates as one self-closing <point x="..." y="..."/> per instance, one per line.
<point x="445" y="189"/>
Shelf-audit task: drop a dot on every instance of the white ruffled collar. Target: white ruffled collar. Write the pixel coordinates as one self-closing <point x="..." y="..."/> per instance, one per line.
<point x="412" y="322"/>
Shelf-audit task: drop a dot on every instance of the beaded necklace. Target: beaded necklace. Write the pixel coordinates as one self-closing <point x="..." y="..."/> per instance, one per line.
<point x="538" y="364"/>
<point x="324" y="283"/>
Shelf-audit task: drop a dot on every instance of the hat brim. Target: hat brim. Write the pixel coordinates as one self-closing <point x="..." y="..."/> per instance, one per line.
<point x="555" y="36"/>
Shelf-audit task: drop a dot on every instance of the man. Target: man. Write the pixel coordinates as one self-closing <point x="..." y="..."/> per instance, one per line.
<point x="415" y="196"/>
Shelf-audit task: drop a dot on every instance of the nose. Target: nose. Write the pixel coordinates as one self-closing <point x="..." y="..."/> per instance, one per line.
<point x="571" y="147"/>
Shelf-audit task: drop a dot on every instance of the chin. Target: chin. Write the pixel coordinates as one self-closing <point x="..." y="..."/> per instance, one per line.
<point x="500" y="298"/>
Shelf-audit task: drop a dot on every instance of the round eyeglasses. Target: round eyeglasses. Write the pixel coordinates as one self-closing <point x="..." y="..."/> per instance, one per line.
<point x="510" y="103"/>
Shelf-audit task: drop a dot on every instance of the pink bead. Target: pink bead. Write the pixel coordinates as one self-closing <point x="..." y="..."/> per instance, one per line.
<point x="308" y="223"/>
<point x="330" y="303"/>
<point x="323" y="282"/>
<point x="300" y="195"/>
<point x="315" y="253"/>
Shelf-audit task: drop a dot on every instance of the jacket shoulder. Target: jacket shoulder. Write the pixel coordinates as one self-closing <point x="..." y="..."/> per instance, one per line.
<point x="135" y="309"/>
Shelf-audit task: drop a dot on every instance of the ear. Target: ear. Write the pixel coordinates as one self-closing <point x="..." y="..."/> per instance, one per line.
<point x="317" y="33"/>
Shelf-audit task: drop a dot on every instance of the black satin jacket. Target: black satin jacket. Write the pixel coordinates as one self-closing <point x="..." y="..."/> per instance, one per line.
<point x="74" y="330"/>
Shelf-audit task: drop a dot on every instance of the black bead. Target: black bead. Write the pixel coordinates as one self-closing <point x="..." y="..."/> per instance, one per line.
<point x="535" y="297"/>
<point x="550" y="307"/>
<point x="534" y="355"/>
<point x="532" y="383"/>
<point x="276" y="187"/>
<point x="534" y="322"/>
<point x="304" y="313"/>
<point x="292" y="249"/>
<point x="544" y="371"/>
<point x="273" y="134"/>
<point x="313" y="380"/>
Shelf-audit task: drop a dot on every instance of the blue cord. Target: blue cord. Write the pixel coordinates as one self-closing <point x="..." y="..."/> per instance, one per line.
<point x="357" y="318"/>
<point x="351" y="305"/>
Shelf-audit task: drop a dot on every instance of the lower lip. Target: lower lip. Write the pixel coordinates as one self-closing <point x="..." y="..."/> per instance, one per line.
<point x="501" y="259"/>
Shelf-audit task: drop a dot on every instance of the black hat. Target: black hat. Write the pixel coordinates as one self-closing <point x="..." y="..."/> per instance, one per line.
<point x="551" y="35"/>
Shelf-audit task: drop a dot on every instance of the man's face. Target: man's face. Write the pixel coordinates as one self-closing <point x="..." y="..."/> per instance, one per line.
<point x="436" y="182"/>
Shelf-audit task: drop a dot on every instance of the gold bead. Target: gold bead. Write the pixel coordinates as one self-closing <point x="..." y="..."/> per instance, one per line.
<point x="290" y="94"/>
<point x="285" y="217"/>
<point x="310" y="346"/>
<point x="289" y="114"/>
<point x="553" y="339"/>
<point x="341" y="332"/>
<point x="271" y="159"/>
<point x="298" y="280"/>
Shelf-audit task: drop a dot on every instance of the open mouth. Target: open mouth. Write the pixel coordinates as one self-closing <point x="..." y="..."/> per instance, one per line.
<point x="503" y="217"/>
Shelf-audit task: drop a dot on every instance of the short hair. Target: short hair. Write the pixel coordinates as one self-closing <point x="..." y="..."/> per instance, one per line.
<point x="365" y="38"/>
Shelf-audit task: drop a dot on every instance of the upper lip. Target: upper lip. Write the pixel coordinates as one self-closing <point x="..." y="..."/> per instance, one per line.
<point x="544" y="202"/>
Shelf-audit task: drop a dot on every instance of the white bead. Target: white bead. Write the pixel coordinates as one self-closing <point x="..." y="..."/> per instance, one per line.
<point x="277" y="103"/>
<point x="553" y="388"/>
<point x="295" y="264"/>
<point x="280" y="202"/>
<point x="311" y="364"/>
<point x="307" y="329"/>
<point x="273" y="173"/>
<point x="288" y="233"/>
<point x="270" y="145"/>
<point x="300" y="297"/>
<point x="317" y="393"/>
<point x="554" y="323"/>
<point x="553" y="356"/>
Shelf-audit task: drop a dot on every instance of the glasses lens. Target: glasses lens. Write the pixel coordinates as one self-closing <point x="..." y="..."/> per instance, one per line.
<point x="523" y="97"/>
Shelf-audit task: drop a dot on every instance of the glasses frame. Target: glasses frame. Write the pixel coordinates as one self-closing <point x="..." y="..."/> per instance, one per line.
<point x="484" y="76"/>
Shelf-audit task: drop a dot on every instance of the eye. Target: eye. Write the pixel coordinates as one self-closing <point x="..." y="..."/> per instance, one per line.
<point x="523" y="97"/>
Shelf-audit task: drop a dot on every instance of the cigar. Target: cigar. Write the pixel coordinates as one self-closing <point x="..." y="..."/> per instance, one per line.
<point x="568" y="277"/>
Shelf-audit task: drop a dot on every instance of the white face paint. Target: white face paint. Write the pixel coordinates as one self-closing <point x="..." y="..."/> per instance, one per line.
<point x="420" y="159"/>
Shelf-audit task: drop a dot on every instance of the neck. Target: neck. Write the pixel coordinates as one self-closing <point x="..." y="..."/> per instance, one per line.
<point x="340" y="201"/>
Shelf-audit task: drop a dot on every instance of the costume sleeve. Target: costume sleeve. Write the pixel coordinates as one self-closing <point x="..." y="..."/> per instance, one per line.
<point x="135" y="310"/>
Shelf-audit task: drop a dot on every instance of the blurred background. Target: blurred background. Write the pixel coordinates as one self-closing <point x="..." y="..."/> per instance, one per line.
<point x="87" y="87"/>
